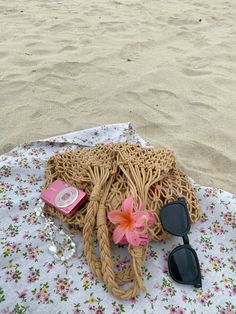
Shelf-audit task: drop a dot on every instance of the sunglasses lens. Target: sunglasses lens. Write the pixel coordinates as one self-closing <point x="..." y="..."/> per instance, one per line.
<point x="183" y="265"/>
<point x="174" y="219"/>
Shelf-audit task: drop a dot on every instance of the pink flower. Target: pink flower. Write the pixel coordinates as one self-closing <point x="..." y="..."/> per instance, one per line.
<point x="130" y="224"/>
<point x="30" y="249"/>
<point x="13" y="246"/>
<point x="184" y="298"/>
<point x="22" y="294"/>
<point x="165" y="255"/>
<point x="172" y="310"/>
<point x="49" y="266"/>
<point x="202" y="301"/>
<point x="233" y="262"/>
<point x="133" y="300"/>
<point x="207" y="296"/>
<point x="169" y="290"/>
<point x="15" y="218"/>
<point x="165" y="268"/>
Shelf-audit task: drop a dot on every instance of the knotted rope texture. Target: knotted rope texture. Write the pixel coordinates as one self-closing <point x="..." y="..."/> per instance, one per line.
<point x="108" y="174"/>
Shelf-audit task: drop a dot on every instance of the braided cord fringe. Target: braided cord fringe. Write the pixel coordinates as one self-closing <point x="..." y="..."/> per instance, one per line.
<point x="109" y="277"/>
<point x="106" y="272"/>
<point x="99" y="178"/>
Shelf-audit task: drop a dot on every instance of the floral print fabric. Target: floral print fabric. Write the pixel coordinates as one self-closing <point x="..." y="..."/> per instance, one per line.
<point x="31" y="281"/>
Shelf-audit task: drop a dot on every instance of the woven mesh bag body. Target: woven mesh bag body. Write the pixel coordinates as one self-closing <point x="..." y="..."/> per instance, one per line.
<point x="109" y="174"/>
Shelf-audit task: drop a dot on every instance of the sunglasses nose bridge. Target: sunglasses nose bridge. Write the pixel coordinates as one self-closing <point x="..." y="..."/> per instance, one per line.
<point x="186" y="239"/>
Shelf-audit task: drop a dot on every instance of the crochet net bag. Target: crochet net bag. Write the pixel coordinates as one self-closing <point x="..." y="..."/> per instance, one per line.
<point x="109" y="174"/>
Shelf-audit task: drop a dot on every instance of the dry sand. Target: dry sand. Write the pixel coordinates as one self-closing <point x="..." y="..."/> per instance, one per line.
<point x="168" y="67"/>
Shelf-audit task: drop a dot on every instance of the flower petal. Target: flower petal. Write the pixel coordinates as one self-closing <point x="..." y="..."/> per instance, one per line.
<point x="133" y="237"/>
<point x="118" y="234"/>
<point x="141" y="207"/>
<point x="128" y="204"/>
<point x="139" y="218"/>
<point x="123" y="240"/>
<point x="151" y="219"/>
<point x="115" y="216"/>
<point x="143" y="239"/>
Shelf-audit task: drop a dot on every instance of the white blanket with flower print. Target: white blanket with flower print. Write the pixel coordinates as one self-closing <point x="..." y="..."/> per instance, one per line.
<point x="31" y="281"/>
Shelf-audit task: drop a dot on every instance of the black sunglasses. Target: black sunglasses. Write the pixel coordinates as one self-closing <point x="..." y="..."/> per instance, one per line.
<point x="183" y="262"/>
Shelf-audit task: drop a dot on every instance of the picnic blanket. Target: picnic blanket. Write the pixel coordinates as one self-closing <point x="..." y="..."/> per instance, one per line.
<point x="31" y="281"/>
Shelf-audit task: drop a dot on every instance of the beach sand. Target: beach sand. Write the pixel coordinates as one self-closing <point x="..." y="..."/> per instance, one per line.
<point x="168" y="67"/>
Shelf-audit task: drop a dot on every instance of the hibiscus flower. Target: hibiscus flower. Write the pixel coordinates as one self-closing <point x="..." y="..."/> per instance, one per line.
<point x="131" y="226"/>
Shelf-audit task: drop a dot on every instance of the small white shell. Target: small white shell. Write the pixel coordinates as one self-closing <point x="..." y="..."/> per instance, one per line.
<point x="37" y="212"/>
